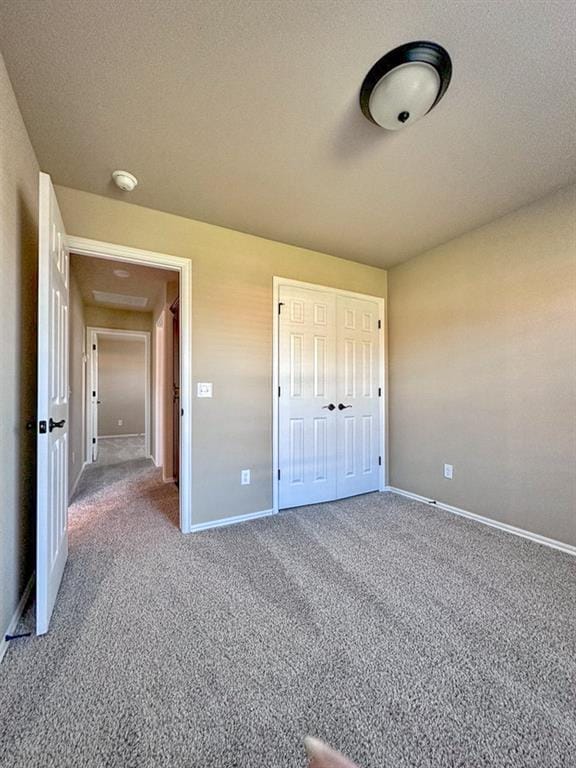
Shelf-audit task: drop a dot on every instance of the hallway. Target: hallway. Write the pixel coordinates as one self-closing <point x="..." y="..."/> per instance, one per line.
<point x="117" y="450"/>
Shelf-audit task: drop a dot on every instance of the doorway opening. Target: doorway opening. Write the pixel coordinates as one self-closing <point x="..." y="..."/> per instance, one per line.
<point x="118" y="396"/>
<point x="128" y="384"/>
<point x="120" y="372"/>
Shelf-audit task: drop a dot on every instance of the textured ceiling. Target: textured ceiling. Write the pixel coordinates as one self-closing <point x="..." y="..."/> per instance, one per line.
<point x="245" y="113"/>
<point x="94" y="274"/>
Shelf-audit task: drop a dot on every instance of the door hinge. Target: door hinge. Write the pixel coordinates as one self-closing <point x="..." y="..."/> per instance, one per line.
<point x="379" y="391"/>
<point x="182" y="412"/>
<point x="93" y="441"/>
<point x="279" y="391"/>
<point x="379" y="323"/>
<point x="42" y="427"/>
<point x="94" y="347"/>
<point x="379" y="461"/>
<point x="93" y="393"/>
<point x="280" y="305"/>
<point x="278" y="474"/>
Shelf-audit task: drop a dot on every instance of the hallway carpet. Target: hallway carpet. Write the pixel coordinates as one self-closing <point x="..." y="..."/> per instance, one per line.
<point x="115" y="450"/>
<point x="402" y="635"/>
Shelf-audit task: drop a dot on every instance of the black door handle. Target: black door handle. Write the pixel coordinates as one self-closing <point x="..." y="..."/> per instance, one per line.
<point x="55" y="424"/>
<point x="341" y="406"/>
<point x="330" y="407"/>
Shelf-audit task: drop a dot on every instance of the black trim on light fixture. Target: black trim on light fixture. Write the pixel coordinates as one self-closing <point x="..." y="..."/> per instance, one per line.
<point x="421" y="51"/>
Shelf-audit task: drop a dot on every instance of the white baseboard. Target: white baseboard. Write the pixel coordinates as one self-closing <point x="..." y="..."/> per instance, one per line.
<point x="73" y="489"/>
<point x="230" y="520"/>
<point x="539" y="539"/>
<point x="16" y="616"/>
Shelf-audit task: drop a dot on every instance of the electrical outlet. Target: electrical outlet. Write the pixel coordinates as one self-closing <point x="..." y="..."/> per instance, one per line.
<point x="245" y="477"/>
<point x="448" y="471"/>
<point x="120" y="422"/>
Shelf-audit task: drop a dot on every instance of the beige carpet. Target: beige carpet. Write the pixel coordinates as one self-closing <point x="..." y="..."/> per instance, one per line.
<point x="402" y="635"/>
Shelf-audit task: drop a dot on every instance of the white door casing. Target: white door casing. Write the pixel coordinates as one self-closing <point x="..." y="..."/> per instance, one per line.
<point x="330" y="415"/>
<point x="53" y="392"/>
<point x="183" y="268"/>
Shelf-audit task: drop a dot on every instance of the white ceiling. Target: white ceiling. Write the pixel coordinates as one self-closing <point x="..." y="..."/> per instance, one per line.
<point x="245" y="113"/>
<point x="92" y="274"/>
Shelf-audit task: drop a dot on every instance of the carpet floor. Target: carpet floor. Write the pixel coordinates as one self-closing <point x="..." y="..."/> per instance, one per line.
<point x="115" y="450"/>
<point x="402" y="635"/>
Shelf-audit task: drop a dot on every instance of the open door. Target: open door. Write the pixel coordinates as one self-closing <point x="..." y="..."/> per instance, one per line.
<point x="94" y="398"/>
<point x="52" y="503"/>
<point x="175" y="309"/>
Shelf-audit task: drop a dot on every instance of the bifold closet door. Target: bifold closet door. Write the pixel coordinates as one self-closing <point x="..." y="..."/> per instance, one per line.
<point x="357" y="396"/>
<point x="307" y="422"/>
<point x="329" y="412"/>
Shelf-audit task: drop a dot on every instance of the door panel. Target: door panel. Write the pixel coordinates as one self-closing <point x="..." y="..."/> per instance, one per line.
<point x="307" y="429"/>
<point x="52" y="491"/>
<point x="357" y="391"/>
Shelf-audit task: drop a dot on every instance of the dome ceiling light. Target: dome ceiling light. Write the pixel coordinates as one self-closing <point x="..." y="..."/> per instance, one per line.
<point x="405" y="84"/>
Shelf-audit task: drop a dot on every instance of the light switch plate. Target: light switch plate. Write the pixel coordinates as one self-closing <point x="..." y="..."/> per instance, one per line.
<point x="204" y="389"/>
<point x="448" y="471"/>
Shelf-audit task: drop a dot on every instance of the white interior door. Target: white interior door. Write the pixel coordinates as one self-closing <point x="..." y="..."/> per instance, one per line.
<point x="52" y="492"/>
<point x="307" y="408"/>
<point x="358" y="392"/>
<point x="329" y="400"/>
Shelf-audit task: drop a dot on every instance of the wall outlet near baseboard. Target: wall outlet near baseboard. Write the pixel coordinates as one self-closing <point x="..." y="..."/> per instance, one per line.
<point x="448" y="471"/>
<point x="245" y="477"/>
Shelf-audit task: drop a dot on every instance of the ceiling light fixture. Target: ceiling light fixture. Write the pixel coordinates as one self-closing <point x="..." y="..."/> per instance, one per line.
<point x="123" y="273"/>
<point x="405" y="84"/>
<point x="125" y="181"/>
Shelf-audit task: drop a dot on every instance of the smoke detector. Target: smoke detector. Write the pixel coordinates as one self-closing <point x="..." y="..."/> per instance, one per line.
<point x="125" y="181"/>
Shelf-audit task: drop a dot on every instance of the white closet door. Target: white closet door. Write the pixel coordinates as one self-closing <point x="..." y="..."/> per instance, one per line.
<point x="357" y="398"/>
<point x="307" y="425"/>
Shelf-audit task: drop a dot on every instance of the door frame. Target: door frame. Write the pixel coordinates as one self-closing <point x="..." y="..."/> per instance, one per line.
<point x="183" y="267"/>
<point x="92" y="334"/>
<point x="383" y="367"/>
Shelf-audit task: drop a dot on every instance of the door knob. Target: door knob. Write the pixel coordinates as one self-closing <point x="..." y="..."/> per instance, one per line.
<point x="341" y="406"/>
<point x="55" y="424"/>
<point x="330" y="407"/>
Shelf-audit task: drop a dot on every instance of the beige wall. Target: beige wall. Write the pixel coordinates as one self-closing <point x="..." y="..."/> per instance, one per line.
<point x="76" y="446"/>
<point x="18" y="287"/>
<point x="231" y="334"/>
<point x="121" y="386"/>
<point x="482" y="344"/>
<point x="117" y="319"/>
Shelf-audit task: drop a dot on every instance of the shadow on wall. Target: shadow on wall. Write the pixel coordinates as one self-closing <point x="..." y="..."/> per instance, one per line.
<point x="25" y="543"/>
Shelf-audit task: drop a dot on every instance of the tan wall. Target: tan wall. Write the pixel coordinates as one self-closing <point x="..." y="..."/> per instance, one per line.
<point x="76" y="445"/>
<point x="18" y="288"/>
<point x="482" y="344"/>
<point x="231" y="332"/>
<point x="121" y="387"/>
<point x="117" y="319"/>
